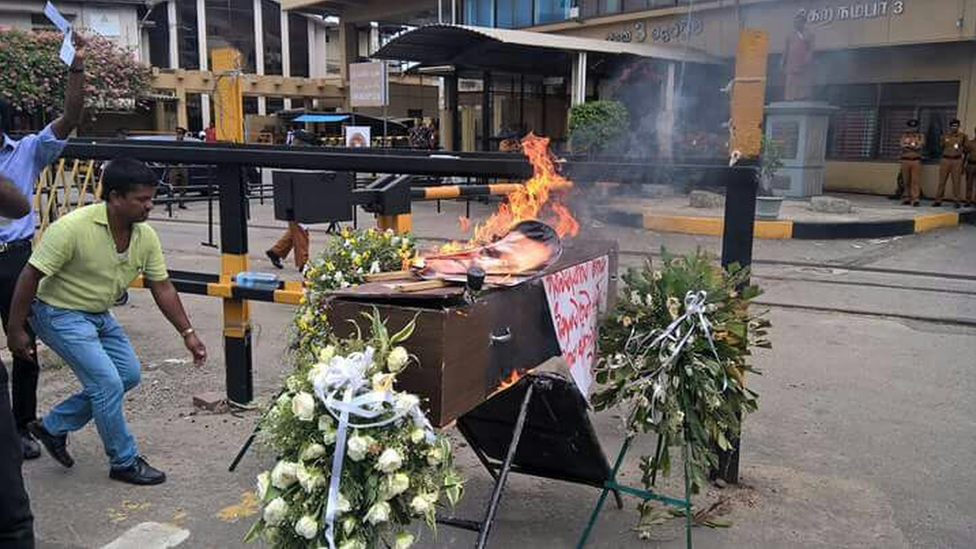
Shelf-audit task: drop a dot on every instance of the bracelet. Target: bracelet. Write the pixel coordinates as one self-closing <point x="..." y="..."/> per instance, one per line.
<point x="187" y="332"/>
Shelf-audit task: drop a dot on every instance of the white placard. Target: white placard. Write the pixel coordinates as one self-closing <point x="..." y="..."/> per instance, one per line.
<point x="368" y="84"/>
<point x="357" y="137"/>
<point x="576" y="297"/>
<point x="67" y="46"/>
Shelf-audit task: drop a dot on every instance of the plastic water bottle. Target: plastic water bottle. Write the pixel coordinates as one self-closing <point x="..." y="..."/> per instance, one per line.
<point x="257" y="280"/>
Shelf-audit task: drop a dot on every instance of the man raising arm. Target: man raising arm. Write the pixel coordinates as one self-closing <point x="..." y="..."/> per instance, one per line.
<point x="21" y="161"/>
<point x="84" y="261"/>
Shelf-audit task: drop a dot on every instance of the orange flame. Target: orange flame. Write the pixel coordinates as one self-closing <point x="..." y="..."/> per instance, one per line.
<point x="539" y="198"/>
<point x="465" y="223"/>
<point x="512" y="379"/>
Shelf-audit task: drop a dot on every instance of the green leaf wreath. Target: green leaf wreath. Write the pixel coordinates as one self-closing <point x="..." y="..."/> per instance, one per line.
<point x="346" y="261"/>
<point x="391" y="474"/>
<point x="692" y="395"/>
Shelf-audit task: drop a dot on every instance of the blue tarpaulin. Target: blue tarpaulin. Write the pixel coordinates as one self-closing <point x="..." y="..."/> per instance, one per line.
<point x="322" y="118"/>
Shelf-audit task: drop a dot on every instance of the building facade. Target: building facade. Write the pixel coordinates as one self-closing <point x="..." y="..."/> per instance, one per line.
<point x="880" y="62"/>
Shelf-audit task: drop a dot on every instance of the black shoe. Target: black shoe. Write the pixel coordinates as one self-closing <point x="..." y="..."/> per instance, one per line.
<point x="32" y="450"/>
<point x="956" y="205"/>
<point x="936" y="204"/>
<point x="275" y="260"/>
<point x="906" y="202"/>
<point x="915" y="204"/>
<point x="139" y="473"/>
<point x="57" y="446"/>
<point x="182" y="206"/>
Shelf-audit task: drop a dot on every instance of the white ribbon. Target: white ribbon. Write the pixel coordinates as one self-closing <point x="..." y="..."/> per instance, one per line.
<point x="347" y="376"/>
<point x="670" y="342"/>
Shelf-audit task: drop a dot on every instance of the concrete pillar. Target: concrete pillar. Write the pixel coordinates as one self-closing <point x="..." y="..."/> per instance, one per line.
<point x="578" y="84"/>
<point x="313" y="54"/>
<point x="348" y="48"/>
<point x="174" y="35"/>
<point x="285" y="51"/>
<point x="665" y="120"/>
<point x="204" y="64"/>
<point x="259" y="51"/>
<point x="160" y="123"/>
<point x="182" y="120"/>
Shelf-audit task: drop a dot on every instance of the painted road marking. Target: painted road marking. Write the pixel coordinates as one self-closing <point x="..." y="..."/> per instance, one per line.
<point x="150" y="535"/>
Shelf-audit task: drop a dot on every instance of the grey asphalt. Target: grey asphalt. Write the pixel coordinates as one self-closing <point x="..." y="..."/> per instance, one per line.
<point x="865" y="436"/>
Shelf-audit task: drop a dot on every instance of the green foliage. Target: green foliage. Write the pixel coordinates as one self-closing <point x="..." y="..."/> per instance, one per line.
<point x="598" y="125"/>
<point x="770" y="161"/>
<point x="33" y="76"/>
<point x="695" y="399"/>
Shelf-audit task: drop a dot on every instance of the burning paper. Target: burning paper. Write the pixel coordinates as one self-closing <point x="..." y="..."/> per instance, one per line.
<point x="526" y="250"/>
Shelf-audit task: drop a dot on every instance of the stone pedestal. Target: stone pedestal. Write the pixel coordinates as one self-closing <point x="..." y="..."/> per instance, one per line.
<point x="800" y="129"/>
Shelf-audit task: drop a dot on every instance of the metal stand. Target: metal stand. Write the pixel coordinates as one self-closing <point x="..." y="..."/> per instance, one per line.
<point x="210" y="218"/>
<point x="483" y="528"/>
<point x="613" y="485"/>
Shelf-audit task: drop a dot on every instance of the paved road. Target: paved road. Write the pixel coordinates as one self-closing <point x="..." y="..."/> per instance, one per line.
<point x="865" y="436"/>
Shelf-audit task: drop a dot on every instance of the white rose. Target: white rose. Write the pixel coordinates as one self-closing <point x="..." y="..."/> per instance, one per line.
<point x="378" y="513"/>
<point x="394" y="485"/>
<point x="397" y="360"/>
<point x="420" y="505"/>
<point x="403" y="540"/>
<point x="310" y="479"/>
<point x="303" y="406"/>
<point x="434" y="457"/>
<point x="326" y="354"/>
<point x="348" y="525"/>
<point x="264" y="481"/>
<point x="284" y="474"/>
<point x="352" y="544"/>
<point x="314" y="451"/>
<point x="383" y="382"/>
<point x="342" y="505"/>
<point x="405" y="402"/>
<point x="374" y="268"/>
<point x="390" y="460"/>
<point x="315" y="372"/>
<point x="358" y="447"/>
<point x="329" y="436"/>
<point x="417" y="435"/>
<point x="275" y="512"/>
<point x="307" y="527"/>
<point x="325" y="423"/>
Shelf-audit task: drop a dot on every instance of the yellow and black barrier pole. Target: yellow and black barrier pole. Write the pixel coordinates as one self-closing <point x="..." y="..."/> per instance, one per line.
<point x="233" y="260"/>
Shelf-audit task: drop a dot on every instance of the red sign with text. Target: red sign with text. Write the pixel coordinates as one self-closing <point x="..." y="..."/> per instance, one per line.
<point x="576" y="297"/>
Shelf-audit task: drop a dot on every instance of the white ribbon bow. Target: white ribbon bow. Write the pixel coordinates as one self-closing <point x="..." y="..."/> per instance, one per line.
<point x="346" y="376"/>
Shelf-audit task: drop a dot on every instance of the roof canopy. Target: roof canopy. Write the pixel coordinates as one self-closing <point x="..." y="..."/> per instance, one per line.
<point x="516" y="51"/>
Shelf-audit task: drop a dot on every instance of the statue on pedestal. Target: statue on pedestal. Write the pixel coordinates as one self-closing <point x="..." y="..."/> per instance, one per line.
<point x="797" y="60"/>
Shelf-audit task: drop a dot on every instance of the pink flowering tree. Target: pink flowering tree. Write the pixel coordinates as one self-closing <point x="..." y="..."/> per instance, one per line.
<point x="32" y="76"/>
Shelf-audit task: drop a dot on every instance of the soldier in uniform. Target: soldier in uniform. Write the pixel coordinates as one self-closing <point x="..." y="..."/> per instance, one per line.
<point x="953" y="146"/>
<point x="912" y="143"/>
<point x="970" y="150"/>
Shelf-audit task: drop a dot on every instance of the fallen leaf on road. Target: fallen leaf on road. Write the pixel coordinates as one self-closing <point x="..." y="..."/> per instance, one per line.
<point x="246" y="508"/>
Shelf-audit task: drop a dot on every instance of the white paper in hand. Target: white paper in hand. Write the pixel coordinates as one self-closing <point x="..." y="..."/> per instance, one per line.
<point x="55" y="16"/>
<point x="67" y="49"/>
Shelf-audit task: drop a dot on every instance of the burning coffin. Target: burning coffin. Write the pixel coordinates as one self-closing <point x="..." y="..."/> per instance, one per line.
<point x="471" y="345"/>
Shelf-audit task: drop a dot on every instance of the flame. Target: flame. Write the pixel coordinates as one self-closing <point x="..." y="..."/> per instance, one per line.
<point x="512" y="379"/>
<point x="465" y="223"/>
<point x="539" y="198"/>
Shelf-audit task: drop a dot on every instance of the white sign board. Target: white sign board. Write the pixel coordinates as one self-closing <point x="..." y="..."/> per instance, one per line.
<point x="576" y="297"/>
<point x="368" y="84"/>
<point x="357" y="137"/>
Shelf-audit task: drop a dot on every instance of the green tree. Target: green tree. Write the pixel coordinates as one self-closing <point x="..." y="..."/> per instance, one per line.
<point x="597" y="126"/>
<point x="33" y="77"/>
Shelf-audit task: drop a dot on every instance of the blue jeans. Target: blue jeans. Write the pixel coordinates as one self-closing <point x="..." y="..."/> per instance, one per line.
<point x="98" y="351"/>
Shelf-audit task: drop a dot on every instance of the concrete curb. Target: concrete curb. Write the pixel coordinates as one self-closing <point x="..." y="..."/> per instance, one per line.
<point x="801" y="230"/>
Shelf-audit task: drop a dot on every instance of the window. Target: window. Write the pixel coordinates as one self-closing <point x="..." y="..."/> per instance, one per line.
<point x="551" y="11"/>
<point x="189" y="45"/>
<point x="298" y="44"/>
<point x="513" y="14"/>
<point x="231" y="23"/>
<point x="872" y="117"/>
<point x="275" y="104"/>
<point x="40" y="22"/>
<point x="480" y="13"/>
<point x="159" y="36"/>
<point x="271" y="23"/>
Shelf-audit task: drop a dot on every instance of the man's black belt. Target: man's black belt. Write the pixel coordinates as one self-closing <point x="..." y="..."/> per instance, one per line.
<point x="15" y="244"/>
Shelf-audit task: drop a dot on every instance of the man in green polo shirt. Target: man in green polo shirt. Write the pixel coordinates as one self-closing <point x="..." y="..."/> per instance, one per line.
<point x="84" y="262"/>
